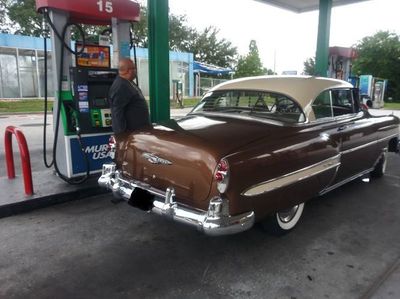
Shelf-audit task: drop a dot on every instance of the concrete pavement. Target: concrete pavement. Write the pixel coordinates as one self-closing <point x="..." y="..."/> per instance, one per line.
<point x="48" y="188"/>
<point x="346" y="247"/>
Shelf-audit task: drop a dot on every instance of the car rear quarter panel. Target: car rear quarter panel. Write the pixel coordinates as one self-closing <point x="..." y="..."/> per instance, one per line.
<point x="268" y="160"/>
<point x="388" y="128"/>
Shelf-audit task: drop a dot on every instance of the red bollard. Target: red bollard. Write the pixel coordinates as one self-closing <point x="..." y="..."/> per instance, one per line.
<point x="24" y="154"/>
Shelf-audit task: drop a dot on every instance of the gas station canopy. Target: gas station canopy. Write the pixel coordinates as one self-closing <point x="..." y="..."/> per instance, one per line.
<point x="324" y="7"/>
<point x="300" y="6"/>
<point x="94" y="12"/>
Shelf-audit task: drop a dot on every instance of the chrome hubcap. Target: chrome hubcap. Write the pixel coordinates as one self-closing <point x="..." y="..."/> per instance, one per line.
<point x="288" y="214"/>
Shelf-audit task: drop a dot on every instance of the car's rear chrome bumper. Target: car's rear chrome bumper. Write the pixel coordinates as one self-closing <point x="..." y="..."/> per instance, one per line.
<point x="215" y="221"/>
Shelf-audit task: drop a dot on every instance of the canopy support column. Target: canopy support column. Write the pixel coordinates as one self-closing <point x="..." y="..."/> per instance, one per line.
<point x="158" y="59"/>
<point x="322" y="55"/>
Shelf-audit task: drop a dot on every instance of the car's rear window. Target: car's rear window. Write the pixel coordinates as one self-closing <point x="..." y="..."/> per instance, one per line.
<point x="255" y="103"/>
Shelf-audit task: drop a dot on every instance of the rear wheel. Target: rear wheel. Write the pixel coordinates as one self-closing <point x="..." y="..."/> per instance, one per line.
<point x="284" y="221"/>
<point x="380" y="167"/>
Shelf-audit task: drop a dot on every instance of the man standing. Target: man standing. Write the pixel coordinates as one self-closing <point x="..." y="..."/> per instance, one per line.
<point x="129" y="109"/>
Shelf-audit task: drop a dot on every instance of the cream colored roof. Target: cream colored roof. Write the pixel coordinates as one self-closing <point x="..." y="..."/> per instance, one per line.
<point x="303" y="89"/>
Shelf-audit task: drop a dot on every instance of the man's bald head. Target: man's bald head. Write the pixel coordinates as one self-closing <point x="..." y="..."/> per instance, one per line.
<point x="126" y="69"/>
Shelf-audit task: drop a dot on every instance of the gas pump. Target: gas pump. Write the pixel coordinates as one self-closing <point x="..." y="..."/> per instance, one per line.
<point x="372" y="91"/>
<point x="81" y="113"/>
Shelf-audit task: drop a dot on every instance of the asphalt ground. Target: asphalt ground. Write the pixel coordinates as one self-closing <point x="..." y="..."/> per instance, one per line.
<point x="346" y="246"/>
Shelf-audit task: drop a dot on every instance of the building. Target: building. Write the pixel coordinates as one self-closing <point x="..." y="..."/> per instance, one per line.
<point x="22" y="68"/>
<point x="340" y="62"/>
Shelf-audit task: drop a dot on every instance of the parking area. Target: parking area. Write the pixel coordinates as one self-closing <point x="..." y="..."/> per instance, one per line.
<point x="347" y="246"/>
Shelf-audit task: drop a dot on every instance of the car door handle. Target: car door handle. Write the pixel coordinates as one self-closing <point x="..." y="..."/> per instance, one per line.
<point x="345" y="126"/>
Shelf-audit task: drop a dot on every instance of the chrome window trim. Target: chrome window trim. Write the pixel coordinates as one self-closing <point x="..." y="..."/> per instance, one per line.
<point x="368" y="144"/>
<point x="341" y="183"/>
<point x="338" y="117"/>
<point x="293" y="177"/>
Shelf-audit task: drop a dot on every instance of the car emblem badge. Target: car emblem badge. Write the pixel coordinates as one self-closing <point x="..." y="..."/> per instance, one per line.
<point x="153" y="159"/>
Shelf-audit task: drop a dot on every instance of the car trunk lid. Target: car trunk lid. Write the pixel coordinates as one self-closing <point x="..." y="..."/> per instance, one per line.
<point x="183" y="154"/>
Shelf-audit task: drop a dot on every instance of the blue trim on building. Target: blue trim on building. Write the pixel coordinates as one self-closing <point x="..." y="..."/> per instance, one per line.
<point x="23" y="42"/>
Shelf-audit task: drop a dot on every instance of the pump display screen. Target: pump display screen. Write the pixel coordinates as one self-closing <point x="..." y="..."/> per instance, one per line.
<point x="100" y="102"/>
<point x="93" y="56"/>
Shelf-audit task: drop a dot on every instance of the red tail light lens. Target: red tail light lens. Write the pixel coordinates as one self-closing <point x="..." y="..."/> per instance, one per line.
<point x="219" y="177"/>
<point x="223" y="165"/>
<point x="222" y="175"/>
<point x="112" y="143"/>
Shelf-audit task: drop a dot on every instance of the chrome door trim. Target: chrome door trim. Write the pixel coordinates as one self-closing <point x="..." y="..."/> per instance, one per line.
<point x="341" y="183"/>
<point x="368" y="144"/>
<point x="293" y="177"/>
<point x="330" y="188"/>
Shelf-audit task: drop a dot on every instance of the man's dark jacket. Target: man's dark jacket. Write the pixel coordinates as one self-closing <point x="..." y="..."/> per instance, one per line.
<point x="129" y="109"/>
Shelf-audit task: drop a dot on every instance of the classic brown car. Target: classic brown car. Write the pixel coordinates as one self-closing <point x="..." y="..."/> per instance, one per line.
<point x="253" y="150"/>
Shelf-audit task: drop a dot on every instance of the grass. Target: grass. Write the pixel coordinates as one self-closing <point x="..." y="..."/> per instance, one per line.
<point x="25" y="106"/>
<point x="37" y="105"/>
<point x="187" y="102"/>
<point x="392" y="105"/>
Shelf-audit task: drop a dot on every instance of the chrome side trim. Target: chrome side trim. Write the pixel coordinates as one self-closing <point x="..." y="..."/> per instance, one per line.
<point x="368" y="144"/>
<point x="215" y="221"/>
<point x="359" y="147"/>
<point x="388" y="137"/>
<point x="341" y="183"/>
<point x="394" y="126"/>
<point x="293" y="177"/>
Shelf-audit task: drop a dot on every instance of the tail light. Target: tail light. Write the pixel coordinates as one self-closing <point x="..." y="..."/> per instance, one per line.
<point x="364" y="107"/>
<point x="112" y="144"/>
<point x="222" y="175"/>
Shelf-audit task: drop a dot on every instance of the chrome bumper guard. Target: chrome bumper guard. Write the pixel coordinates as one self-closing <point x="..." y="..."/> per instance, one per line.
<point x="215" y="221"/>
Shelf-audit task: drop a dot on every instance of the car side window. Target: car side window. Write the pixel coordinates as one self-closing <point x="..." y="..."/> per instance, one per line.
<point x="322" y="105"/>
<point x="342" y="102"/>
<point x="333" y="103"/>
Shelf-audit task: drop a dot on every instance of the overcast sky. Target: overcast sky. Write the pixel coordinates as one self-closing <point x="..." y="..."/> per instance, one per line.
<point x="286" y="39"/>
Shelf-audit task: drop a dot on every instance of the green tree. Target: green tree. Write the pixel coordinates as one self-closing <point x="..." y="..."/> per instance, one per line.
<point x="379" y="55"/>
<point x="24" y="17"/>
<point x="26" y="21"/>
<point x="206" y="47"/>
<point x="250" y="64"/>
<point x="309" y="67"/>
<point x="3" y="14"/>
<point x="180" y="35"/>
<point x="140" y="31"/>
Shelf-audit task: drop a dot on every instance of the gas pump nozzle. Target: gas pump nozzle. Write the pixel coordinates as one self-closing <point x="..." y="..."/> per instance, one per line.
<point x="76" y="120"/>
<point x="73" y="116"/>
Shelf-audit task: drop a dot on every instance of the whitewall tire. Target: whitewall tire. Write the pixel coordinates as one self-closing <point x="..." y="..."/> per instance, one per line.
<point x="284" y="221"/>
<point x="380" y="167"/>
